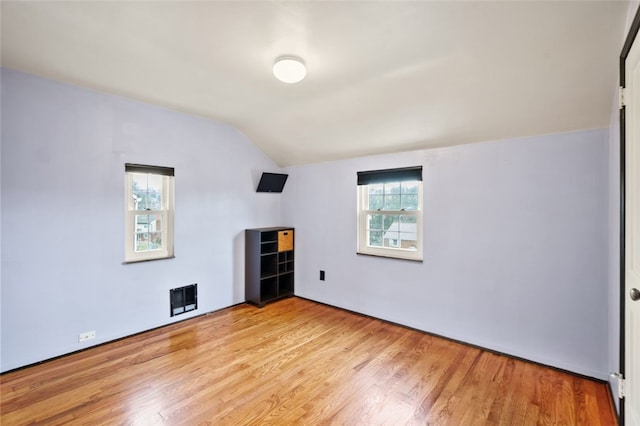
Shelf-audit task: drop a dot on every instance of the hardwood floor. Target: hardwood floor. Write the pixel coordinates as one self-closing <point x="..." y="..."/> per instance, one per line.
<point x="295" y="362"/>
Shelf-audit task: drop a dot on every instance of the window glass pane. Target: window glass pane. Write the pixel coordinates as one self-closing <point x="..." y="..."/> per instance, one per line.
<point x="408" y="234"/>
<point x="155" y="241"/>
<point x="407" y="219"/>
<point x="375" y="221"/>
<point x="141" y="242"/>
<point x="410" y="187"/>
<point x="375" y="238"/>
<point x="390" y="242"/>
<point x="147" y="232"/>
<point x="391" y="227"/>
<point x="409" y="201"/>
<point x="376" y="202"/>
<point x="139" y="191"/>
<point x="147" y="191"/>
<point x="409" y="192"/>
<point x="142" y="223"/>
<point x="139" y="182"/>
<point x="147" y="241"/>
<point x="390" y="221"/>
<point x="140" y="200"/>
<point x="155" y="223"/>
<point x="391" y="239"/>
<point x="154" y="196"/>
<point x="393" y="196"/>
<point x="392" y="188"/>
<point x="376" y="188"/>
<point x="392" y="202"/>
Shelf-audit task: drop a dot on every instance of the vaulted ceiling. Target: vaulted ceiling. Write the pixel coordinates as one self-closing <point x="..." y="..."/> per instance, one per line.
<point x="383" y="76"/>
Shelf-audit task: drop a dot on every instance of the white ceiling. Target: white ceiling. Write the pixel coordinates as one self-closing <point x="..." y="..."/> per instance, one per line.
<point x="382" y="76"/>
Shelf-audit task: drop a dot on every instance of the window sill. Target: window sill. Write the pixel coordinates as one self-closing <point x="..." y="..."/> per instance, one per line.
<point x="128" y="262"/>
<point x="389" y="257"/>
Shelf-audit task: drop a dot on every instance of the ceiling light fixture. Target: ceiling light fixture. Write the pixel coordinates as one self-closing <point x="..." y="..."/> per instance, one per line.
<point x="289" y="69"/>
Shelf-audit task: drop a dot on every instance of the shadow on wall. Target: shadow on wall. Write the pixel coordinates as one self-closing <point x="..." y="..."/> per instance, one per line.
<point x="238" y="268"/>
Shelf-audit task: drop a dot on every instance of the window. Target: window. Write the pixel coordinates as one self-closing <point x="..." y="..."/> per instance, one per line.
<point x="148" y="212"/>
<point x="390" y="213"/>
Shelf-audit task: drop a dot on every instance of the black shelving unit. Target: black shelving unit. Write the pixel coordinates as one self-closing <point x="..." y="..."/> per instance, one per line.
<point x="269" y="264"/>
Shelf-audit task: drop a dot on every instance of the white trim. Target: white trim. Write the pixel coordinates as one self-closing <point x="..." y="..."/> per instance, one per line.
<point x="395" y="252"/>
<point x="166" y="251"/>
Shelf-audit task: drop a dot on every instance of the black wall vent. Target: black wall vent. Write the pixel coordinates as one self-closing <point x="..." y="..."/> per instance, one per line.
<point x="183" y="299"/>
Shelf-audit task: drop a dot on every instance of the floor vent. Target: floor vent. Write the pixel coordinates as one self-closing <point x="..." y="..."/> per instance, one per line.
<point x="183" y="299"/>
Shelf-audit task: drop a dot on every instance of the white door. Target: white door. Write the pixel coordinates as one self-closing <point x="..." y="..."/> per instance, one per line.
<point x="632" y="236"/>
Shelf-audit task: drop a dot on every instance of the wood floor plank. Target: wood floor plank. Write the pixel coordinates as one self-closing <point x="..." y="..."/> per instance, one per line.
<point x="295" y="362"/>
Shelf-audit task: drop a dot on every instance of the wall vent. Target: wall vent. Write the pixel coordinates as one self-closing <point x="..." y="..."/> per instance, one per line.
<point x="183" y="299"/>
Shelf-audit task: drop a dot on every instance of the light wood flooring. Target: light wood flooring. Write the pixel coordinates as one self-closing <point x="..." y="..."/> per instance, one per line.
<point x="295" y="362"/>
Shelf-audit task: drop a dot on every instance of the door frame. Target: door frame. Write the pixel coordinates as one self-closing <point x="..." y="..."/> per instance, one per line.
<point x="631" y="37"/>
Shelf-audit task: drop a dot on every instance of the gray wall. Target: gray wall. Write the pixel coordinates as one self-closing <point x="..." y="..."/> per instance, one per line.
<point x="63" y="155"/>
<point x="515" y="246"/>
<point x="516" y="232"/>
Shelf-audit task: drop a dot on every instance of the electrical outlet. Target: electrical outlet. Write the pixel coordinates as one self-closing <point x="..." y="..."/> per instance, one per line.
<point x="87" y="336"/>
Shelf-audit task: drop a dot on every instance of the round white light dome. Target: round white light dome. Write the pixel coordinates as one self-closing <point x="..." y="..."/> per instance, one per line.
<point x="289" y="69"/>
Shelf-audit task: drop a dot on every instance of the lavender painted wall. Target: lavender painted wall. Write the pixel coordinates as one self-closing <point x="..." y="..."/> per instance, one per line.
<point x="63" y="155"/>
<point x="516" y="232"/>
<point x="515" y="246"/>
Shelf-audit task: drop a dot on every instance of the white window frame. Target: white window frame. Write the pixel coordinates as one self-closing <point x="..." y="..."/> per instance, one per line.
<point x="166" y="213"/>
<point x="363" y="233"/>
